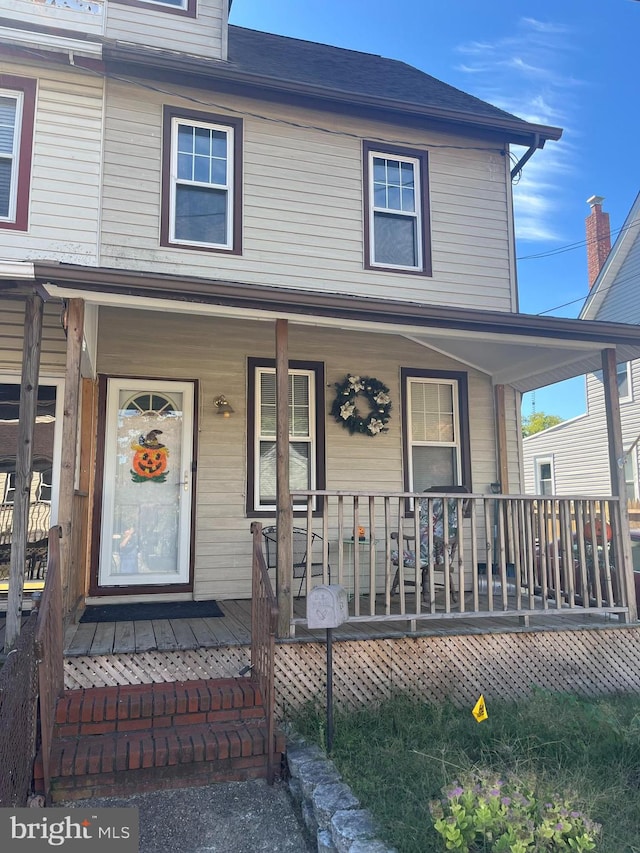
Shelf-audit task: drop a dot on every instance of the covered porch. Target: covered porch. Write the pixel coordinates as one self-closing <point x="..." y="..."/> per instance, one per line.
<point x="517" y="558"/>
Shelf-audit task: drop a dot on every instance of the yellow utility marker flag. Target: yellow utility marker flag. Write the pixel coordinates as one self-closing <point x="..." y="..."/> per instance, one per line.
<point x="480" y="710"/>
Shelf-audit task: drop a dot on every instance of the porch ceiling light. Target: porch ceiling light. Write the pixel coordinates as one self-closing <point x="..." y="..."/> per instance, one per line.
<point x="223" y="407"/>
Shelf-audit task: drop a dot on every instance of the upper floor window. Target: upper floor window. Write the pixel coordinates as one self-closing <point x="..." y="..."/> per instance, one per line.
<point x="623" y="378"/>
<point x="396" y="210"/>
<point x="202" y="181"/>
<point x="180" y="7"/>
<point x="435" y="425"/>
<point x="17" y="107"/>
<point x="44" y="486"/>
<point x="9" y="488"/>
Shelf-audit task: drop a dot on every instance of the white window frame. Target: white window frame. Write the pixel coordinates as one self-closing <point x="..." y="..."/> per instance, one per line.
<point x="227" y="187"/>
<point x="631" y="467"/>
<point x="9" y="487"/>
<point x="625" y="367"/>
<point x="538" y="462"/>
<point x="456" y="443"/>
<point x="14" y="155"/>
<point x="311" y="438"/>
<point x="183" y="5"/>
<point x="415" y="215"/>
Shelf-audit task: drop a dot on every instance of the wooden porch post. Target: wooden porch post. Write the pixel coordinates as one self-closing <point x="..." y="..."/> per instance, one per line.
<point x="31" y="347"/>
<point x="284" y="515"/>
<point x="622" y="542"/>
<point x="501" y="440"/>
<point x="75" y="328"/>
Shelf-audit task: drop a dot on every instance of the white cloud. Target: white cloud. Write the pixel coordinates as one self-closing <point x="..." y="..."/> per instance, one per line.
<point x="524" y="74"/>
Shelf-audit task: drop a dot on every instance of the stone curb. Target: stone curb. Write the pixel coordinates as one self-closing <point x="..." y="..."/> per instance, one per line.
<point x="330" y="811"/>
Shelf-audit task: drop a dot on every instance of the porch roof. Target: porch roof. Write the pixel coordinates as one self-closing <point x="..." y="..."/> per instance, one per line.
<point x="521" y="350"/>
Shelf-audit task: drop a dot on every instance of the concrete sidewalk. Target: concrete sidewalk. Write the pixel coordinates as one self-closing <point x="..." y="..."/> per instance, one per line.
<point x="229" y="817"/>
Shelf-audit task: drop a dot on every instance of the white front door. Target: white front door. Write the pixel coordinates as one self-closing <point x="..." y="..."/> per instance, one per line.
<point x="147" y="488"/>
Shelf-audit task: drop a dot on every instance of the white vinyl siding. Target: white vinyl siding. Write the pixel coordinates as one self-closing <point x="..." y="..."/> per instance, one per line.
<point x="82" y="16"/>
<point x="65" y="168"/>
<point x="53" y="356"/>
<point x="153" y="25"/>
<point x="302" y="224"/>
<point x="433" y="433"/>
<point x="10" y="124"/>
<point x="178" y="346"/>
<point x="302" y="457"/>
<point x="201" y="206"/>
<point x="579" y="446"/>
<point x="618" y="300"/>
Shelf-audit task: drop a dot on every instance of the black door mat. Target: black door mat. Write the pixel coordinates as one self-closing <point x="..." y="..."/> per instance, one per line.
<point x="150" y="610"/>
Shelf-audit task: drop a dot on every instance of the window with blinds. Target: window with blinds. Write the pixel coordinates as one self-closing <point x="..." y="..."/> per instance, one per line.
<point x="302" y="465"/>
<point x="433" y="433"/>
<point x="17" y="109"/>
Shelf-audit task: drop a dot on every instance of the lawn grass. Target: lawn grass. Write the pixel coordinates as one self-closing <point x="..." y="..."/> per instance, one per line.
<point x="397" y="756"/>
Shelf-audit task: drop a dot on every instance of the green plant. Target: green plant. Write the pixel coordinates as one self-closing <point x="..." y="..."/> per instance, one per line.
<point x="483" y="812"/>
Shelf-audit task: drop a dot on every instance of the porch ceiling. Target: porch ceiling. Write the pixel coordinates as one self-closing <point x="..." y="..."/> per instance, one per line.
<point x="521" y="350"/>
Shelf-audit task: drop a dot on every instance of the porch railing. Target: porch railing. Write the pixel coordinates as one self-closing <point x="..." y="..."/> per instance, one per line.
<point x="49" y="651"/>
<point x="496" y="554"/>
<point x="264" y="621"/>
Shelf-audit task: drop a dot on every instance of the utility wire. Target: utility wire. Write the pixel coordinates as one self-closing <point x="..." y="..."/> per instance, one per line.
<point x="618" y="282"/>
<point x="580" y="244"/>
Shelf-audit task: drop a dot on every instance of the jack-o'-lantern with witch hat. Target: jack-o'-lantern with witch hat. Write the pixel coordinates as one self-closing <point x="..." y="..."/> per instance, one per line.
<point x="150" y="459"/>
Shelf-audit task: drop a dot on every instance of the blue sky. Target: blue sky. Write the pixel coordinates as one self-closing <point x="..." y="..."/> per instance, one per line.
<point x="568" y="63"/>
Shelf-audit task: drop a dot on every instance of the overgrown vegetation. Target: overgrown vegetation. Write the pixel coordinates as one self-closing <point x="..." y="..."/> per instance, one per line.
<point x="399" y="756"/>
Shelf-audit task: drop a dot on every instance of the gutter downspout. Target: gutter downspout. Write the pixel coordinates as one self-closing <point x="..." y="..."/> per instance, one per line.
<point x="528" y="153"/>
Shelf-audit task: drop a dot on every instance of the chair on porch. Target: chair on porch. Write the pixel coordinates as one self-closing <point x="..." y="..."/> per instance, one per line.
<point x="300" y="557"/>
<point x="436" y="523"/>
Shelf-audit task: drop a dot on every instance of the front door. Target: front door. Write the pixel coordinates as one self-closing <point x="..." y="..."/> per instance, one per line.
<point x="146" y="509"/>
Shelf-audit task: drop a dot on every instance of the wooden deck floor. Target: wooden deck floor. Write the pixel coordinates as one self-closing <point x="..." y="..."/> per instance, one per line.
<point x="233" y="629"/>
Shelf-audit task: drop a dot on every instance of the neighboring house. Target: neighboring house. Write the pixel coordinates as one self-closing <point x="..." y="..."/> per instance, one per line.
<point x="573" y="457"/>
<point x="193" y="199"/>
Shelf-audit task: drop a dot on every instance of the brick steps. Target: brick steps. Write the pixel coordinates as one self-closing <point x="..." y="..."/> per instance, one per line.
<point x="114" y="740"/>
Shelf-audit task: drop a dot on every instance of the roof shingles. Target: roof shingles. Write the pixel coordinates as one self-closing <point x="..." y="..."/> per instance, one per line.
<point x="348" y="71"/>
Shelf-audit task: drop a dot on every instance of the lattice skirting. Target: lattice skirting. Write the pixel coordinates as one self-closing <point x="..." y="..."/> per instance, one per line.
<point x="155" y="666"/>
<point x="458" y="668"/>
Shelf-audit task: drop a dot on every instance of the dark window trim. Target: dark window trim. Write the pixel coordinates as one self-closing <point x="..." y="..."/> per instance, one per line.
<point x="189" y="12"/>
<point x="321" y="468"/>
<point x="28" y="87"/>
<point x="462" y="379"/>
<point x="96" y="518"/>
<point x="169" y="114"/>
<point x="425" y="232"/>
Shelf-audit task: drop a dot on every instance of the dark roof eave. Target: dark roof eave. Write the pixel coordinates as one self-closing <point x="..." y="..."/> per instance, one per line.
<point x="335" y="305"/>
<point x="515" y="131"/>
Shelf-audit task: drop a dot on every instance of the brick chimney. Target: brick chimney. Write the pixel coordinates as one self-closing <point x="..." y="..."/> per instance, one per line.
<point x="598" y="237"/>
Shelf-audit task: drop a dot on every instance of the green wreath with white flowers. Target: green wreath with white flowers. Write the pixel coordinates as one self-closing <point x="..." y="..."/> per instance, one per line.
<point x="345" y="410"/>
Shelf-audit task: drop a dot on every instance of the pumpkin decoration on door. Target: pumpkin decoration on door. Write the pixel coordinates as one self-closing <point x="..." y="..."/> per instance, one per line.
<point x="149" y="464"/>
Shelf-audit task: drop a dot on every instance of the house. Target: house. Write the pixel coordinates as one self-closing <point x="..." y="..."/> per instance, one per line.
<point x="573" y="457"/>
<point x="214" y="238"/>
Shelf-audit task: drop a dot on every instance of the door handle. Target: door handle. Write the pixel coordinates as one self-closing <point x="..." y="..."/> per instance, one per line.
<point x="185" y="483"/>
